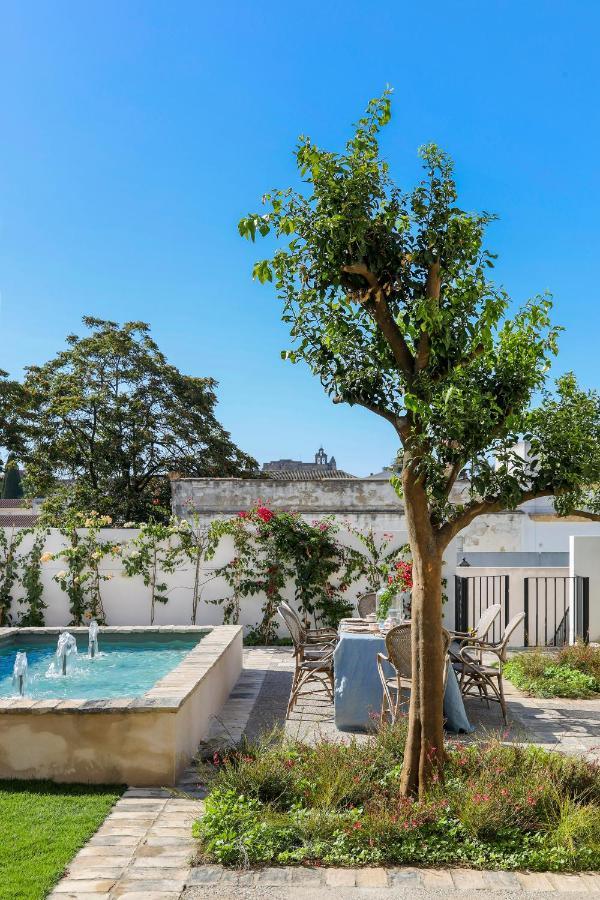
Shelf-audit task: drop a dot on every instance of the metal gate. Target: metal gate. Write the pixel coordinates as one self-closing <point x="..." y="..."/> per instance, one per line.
<point x="547" y="604"/>
<point x="473" y="594"/>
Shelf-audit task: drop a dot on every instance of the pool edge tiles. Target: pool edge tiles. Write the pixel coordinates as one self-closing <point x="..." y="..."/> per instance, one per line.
<point x="146" y="740"/>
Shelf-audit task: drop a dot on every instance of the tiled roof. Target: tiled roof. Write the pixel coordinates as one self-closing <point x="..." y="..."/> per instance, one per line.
<point x="317" y="474"/>
<point x="17" y="520"/>
<point x="12" y="504"/>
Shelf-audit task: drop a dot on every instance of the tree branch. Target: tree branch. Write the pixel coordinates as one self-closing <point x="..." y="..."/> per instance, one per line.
<point x="400" y="423"/>
<point x="483" y="507"/>
<point x="376" y="305"/>
<point x="433" y="286"/>
<point x="453" y="474"/>
<point x="585" y="514"/>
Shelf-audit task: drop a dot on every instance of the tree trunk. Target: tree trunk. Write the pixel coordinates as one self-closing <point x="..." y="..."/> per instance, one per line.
<point x="424" y="751"/>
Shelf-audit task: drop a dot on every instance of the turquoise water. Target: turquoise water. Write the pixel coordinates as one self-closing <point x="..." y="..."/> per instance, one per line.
<point x="126" y="666"/>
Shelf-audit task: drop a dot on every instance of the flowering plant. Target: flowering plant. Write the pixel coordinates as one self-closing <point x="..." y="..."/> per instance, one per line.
<point x="273" y="549"/>
<point x="82" y="578"/>
<point x="399" y="581"/>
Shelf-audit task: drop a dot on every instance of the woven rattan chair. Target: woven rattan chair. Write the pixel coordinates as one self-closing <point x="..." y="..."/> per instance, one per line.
<point x="477" y="679"/>
<point x="314" y="661"/>
<point x="367" y="604"/>
<point x="399" y="655"/>
<point x="310" y="635"/>
<point x="480" y="633"/>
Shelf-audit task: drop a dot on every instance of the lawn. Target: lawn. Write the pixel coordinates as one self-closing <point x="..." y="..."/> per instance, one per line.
<point x="572" y="672"/>
<point x="42" y="825"/>
<point x="494" y="806"/>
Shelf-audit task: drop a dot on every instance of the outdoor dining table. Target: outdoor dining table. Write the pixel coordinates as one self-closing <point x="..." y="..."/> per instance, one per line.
<point x="358" y="689"/>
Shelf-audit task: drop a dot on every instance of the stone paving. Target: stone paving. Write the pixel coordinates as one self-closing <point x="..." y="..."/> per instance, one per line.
<point x="144" y="848"/>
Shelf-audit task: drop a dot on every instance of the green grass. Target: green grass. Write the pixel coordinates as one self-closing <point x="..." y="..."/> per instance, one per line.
<point x="573" y="672"/>
<point x="42" y="826"/>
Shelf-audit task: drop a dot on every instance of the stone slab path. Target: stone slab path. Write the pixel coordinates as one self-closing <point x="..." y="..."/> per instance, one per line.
<point x="143" y="850"/>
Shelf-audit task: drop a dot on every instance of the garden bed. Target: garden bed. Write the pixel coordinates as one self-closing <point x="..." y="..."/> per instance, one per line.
<point x="281" y="802"/>
<point x="572" y="672"/>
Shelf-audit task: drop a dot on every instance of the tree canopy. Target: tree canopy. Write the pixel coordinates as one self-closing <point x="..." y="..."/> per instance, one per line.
<point x="112" y="417"/>
<point x="389" y="301"/>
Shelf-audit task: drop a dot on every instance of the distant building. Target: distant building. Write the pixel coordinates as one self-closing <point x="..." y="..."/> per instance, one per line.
<point x="296" y="470"/>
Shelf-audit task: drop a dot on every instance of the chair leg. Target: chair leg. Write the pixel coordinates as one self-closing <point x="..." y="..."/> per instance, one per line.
<point x="502" y="698"/>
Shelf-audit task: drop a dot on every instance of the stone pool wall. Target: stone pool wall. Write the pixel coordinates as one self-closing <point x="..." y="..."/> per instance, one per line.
<point x="146" y="740"/>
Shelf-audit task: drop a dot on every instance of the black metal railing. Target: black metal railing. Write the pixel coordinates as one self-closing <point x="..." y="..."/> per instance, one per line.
<point x="472" y="596"/>
<point x="547" y="602"/>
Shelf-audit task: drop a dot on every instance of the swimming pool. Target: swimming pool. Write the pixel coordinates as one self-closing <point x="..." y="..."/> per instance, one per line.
<point x="126" y="665"/>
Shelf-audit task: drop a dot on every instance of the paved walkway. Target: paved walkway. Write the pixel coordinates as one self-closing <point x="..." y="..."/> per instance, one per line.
<point x="144" y="848"/>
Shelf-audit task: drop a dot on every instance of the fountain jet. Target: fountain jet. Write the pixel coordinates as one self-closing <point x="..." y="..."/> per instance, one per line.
<point x="66" y="646"/>
<point x="20" y="671"/>
<point x="93" y="638"/>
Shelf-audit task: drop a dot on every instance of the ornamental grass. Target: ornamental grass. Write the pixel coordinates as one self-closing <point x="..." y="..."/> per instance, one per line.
<point x="494" y="805"/>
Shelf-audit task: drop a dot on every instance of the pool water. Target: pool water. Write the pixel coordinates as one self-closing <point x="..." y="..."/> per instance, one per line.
<point x="125" y="666"/>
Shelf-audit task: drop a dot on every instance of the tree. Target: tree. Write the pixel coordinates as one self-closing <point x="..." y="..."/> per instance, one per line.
<point x="112" y="416"/>
<point x="387" y="297"/>
<point x="11" y="401"/>
<point x="12" y="489"/>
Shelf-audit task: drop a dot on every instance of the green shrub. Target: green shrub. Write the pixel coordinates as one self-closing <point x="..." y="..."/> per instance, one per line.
<point x="574" y="672"/>
<point x="584" y="657"/>
<point x="493" y="806"/>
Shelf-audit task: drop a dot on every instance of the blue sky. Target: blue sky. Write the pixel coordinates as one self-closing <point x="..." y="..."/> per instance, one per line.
<point x="135" y="134"/>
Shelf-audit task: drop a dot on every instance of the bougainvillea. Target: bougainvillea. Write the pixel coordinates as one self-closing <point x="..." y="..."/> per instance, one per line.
<point x="272" y="549"/>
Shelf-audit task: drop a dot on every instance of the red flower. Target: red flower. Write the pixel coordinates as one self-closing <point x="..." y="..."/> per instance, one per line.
<point x="263" y="513"/>
<point x="243" y="515"/>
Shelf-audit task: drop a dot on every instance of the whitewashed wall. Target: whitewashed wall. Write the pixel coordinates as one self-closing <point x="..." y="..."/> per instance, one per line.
<point x="585" y="561"/>
<point x="127" y="600"/>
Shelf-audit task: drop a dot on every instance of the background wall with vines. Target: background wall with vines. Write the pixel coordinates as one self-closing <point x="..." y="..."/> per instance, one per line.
<point x="245" y="565"/>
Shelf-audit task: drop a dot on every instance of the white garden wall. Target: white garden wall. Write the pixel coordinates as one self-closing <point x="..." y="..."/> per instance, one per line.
<point x="585" y="561"/>
<point x="127" y="600"/>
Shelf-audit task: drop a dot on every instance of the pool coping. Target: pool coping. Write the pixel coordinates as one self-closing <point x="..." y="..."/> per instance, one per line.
<point x="168" y="694"/>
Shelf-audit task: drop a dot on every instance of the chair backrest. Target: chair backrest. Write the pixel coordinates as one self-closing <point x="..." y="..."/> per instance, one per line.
<point x="294" y="626"/>
<point x="367" y="604"/>
<point x="397" y="642"/>
<point x="512" y="626"/>
<point x="398" y="646"/>
<point x="487" y="619"/>
<point x="447" y="640"/>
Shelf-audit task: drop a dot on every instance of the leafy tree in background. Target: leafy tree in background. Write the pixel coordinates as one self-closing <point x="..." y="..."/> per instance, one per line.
<point x="12" y="489"/>
<point x="387" y="298"/>
<point x="11" y="408"/>
<point x="110" y="415"/>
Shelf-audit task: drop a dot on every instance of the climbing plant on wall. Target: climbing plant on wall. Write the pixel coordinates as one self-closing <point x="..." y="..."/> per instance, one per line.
<point x="82" y="578"/>
<point x="152" y="554"/>
<point x="10" y="540"/>
<point x="272" y="549"/>
<point x="31" y="580"/>
<point x="195" y="542"/>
